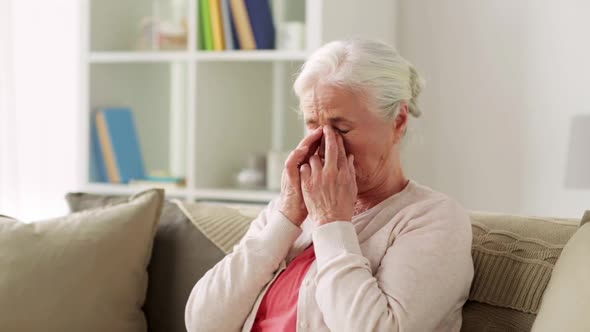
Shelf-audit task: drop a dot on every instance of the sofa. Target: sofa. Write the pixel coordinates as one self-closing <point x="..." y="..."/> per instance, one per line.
<point x="514" y="259"/>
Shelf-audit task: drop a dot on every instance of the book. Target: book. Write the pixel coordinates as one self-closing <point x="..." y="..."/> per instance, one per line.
<point x="205" y="25"/>
<point x="98" y="168"/>
<point x="232" y="24"/>
<point x="261" y="20"/>
<point x="243" y="27"/>
<point x="227" y="28"/>
<point x="119" y="145"/>
<point x="217" y="25"/>
<point x="106" y="149"/>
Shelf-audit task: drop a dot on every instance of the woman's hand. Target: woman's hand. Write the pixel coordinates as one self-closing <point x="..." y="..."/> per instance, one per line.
<point x="291" y="200"/>
<point x="329" y="190"/>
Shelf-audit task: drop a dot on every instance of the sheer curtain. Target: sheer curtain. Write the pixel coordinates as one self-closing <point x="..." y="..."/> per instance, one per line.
<point x="7" y="113"/>
<point x="39" y="106"/>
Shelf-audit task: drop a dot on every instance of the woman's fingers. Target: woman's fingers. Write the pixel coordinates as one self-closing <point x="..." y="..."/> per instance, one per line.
<point x="312" y="142"/>
<point x="295" y="159"/>
<point x="304" y="149"/>
<point x="305" y="173"/>
<point x="315" y="163"/>
<point x="331" y="155"/>
<point x="313" y="148"/>
<point x="311" y="138"/>
<point x="342" y="162"/>
<point x="351" y="168"/>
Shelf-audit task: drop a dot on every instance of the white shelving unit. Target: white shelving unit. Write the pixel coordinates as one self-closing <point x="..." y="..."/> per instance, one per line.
<point x="140" y="57"/>
<point x="201" y="113"/>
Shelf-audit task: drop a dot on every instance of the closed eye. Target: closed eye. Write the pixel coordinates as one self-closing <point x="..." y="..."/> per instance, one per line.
<point x="342" y="131"/>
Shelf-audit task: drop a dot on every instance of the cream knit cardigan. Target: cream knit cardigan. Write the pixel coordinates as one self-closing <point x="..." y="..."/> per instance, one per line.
<point x="404" y="265"/>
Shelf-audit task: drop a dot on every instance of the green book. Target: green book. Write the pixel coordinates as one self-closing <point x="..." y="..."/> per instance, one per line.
<point x="206" y="40"/>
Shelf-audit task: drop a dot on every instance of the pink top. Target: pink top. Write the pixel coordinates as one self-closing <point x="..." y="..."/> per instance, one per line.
<point x="278" y="309"/>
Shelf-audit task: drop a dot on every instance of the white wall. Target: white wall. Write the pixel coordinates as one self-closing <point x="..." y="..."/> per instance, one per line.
<point x="353" y="18"/>
<point x="504" y="79"/>
<point x="45" y="57"/>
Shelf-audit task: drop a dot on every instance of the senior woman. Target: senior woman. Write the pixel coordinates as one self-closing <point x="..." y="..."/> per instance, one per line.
<point x="351" y="244"/>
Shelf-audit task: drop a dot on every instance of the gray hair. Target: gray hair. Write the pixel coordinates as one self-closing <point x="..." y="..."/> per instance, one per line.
<point x="364" y="65"/>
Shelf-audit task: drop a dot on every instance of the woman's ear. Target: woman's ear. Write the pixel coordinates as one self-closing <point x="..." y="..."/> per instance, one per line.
<point x="400" y="123"/>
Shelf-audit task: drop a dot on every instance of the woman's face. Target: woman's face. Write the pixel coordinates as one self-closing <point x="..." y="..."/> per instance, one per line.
<point x="366" y="135"/>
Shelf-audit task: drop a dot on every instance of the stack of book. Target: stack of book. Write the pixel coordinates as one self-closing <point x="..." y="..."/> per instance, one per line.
<point x="236" y="25"/>
<point x="117" y="152"/>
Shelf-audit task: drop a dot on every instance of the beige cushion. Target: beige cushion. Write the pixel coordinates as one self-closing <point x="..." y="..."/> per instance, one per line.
<point x="181" y="255"/>
<point x="513" y="258"/>
<point x="82" y="272"/>
<point x="566" y="301"/>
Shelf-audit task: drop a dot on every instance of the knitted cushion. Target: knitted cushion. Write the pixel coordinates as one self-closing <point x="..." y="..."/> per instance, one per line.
<point x="480" y="317"/>
<point x="222" y="225"/>
<point x="513" y="258"/>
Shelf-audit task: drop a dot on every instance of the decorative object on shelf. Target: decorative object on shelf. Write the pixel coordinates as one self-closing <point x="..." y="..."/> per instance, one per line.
<point x="165" y="29"/>
<point x="253" y="176"/>
<point x="578" y="160"/>
<point x="117" y="151"/>
<point x="275" y="162"/>
<point x="291" y="36"/>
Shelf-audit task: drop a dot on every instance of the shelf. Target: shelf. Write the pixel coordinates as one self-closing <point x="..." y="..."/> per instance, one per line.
<point x="122" y="189"/>
<point x="239" y="195"/>
<point x="233" y="195"/>
<point x="117" y="57"/>
<point x="135" y="57"/>
<point x="262" y="55"/>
